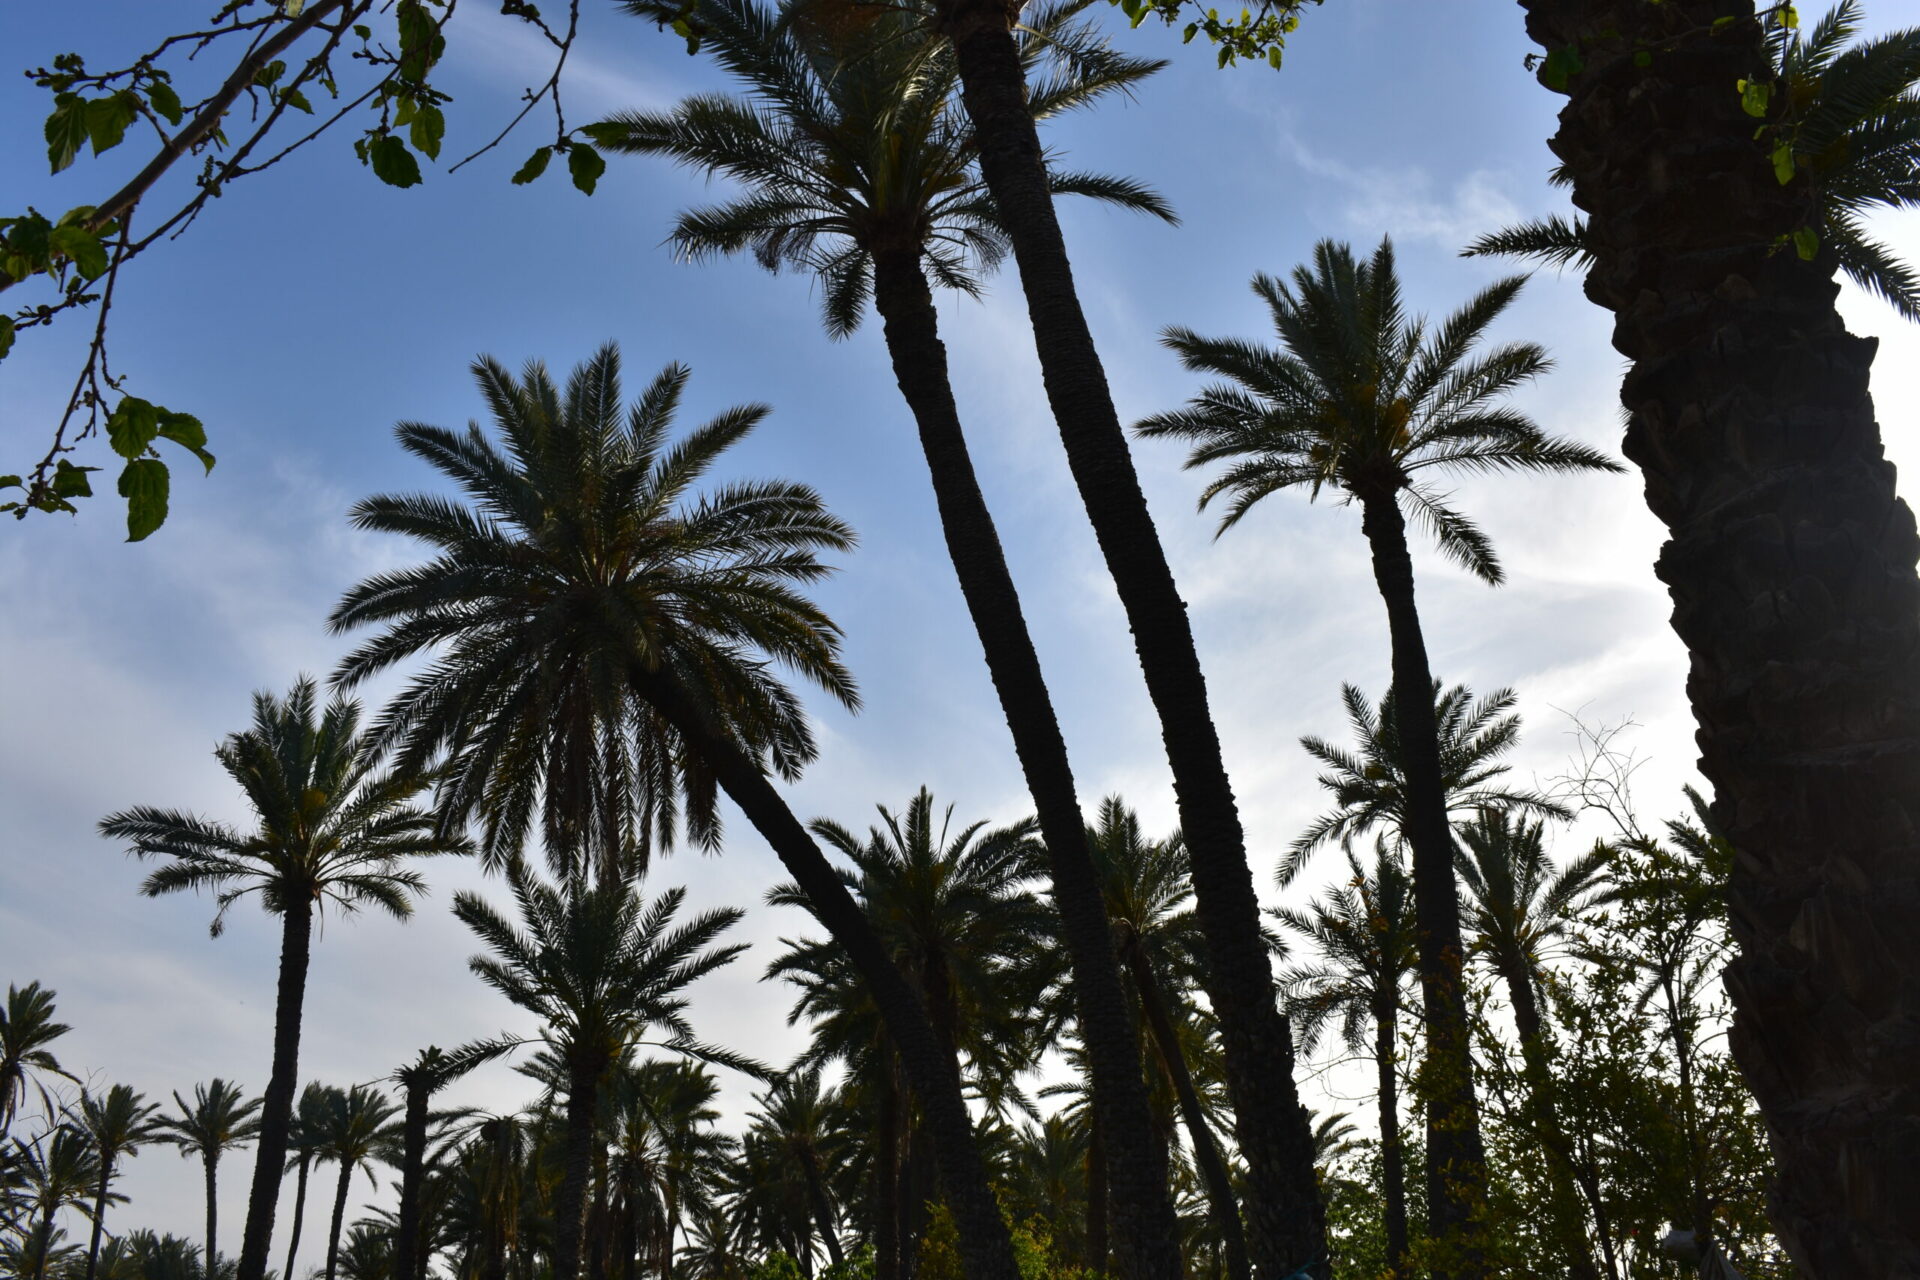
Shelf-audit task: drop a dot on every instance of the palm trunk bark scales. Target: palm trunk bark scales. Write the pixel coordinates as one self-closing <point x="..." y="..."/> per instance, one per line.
<point x="1144" y="1224"/>
<point x="570" y="1205"/>
<point x="1285" y="1220"/>
<point x="413" y="1159"/>
<point x="276" y="1107"/>
<point x="1393" y="1168"/>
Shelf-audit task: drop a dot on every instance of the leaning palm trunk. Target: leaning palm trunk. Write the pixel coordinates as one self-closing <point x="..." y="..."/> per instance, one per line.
<point x="339" y="1221"/>
<point x="99" y="1215"/>
<point x="299" y="1214"/>
<point x="1791" y="565"/>
<point x="1456" y="1160"/>
<point x="986" y="1245"/>
<point x="1569" y="1214"/>
<point x="276" y="1108"/>
<point x="1145" y="1227"/>
<point x="1285" y="1219"/>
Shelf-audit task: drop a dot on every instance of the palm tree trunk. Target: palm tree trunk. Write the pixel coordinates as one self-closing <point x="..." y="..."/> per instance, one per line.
<point x="276" y="1108"/>
<point x="43" y="1237"/>
<point x="1144" y="1220"/>
<point x="1285" y="1219"/>
<point x="1206" y="1152"/>
<point x="299" y="1215"/>
<point x="985" y="1244"/>
<point x="822" y="1211"/>
<point x="886" y="1177"/>
<point x="100" y="1216"/>
<point x="210" y="1160"/>
<point x="1097" y="1166"/>
<point x="570" y="1205"/>
<point x="339" y="1214"/>
<point x="1568" y="1211"/>
<point x="1456" y="1160"/>
<point x="1393" y="1159"/>
<point x="413" y="1161"/>
<point x="1791" y="566"/>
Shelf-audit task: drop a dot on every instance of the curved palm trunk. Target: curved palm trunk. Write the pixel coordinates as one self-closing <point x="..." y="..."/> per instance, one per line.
<point x="570" y="1204"/>
<point x="1144" y="1216"/>
<point x="986" y="1246"/>
<point x="1456" y="1160"/>
<point x="822" y="1211"/>
<point x="339" y="1215"/>
<point x="1791" y="566"/>
<point x="409" y="1265"/>
<point x="1568" y="1211"/>
<point x="1206" y="1152"/>
<point x="100" y="1216"/>
<point x="1393" y="1158"/>
<point x="276" y="1107"/>
<point x="299" y="1215"/>
<point x="1284" y="1217"/>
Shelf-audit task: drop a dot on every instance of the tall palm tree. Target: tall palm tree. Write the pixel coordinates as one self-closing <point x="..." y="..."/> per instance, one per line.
<point x="1366" y="399"/>
<point x="119" y="1123"/>
<point x="1365" y="934"/>
<point x="357" y="1129"/>
<point x="60" y="1168"/>
<point x="859" y="168"/>
<point x="27" y="1027"/>
<point x="431" y="1070"/>
<point x="601" y="967"/>
<point x="331" y="831"/>
<point x="641" y="613"/>
<point x="1752" y="424"/>
<point x="221" y="1118"/>
<point x="306" y="1136"/>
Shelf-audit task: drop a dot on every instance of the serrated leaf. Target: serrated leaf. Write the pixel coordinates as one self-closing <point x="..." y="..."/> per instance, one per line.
<point x="426" y="129"/>
<point x="83" y="247"/>
<point x="133" y="426"/>
<point x="392" y="163"/>
<point x="585" y="165"/>
<point x="297" y="100"/>
<point x="144" y="485"/>
<point x="535" y="166"/>
<point x="108" y="118"/>
<point x="70" y="481"/>
<point x="66" y="130"/>
<point x="164" y="100"/>
<point x="185" y="430"/>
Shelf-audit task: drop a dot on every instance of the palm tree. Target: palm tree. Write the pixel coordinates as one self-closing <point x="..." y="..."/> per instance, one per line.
<point x="119" y="1124"/>
<point x="795" y="1115"/>
<point x="59" y="1168"/>
<point x="601" y="968"/>
<point x="637" y="618"/>
<point x="331" y="831"/>
<point x="859" y="169"/>
<point x="1369" y="783"/>
<point x="356" y="1129"/>
<point x="306" y="1137"/>
<point x="220" y="1118"/>
<point x="26" y="1029"/>
<point x="1752" y="424"/>
<point x="1364" y="932"/>
<point x="431" y="1070"/>
<point x="1364" y="398"/>
<point x="1853" y="133"/>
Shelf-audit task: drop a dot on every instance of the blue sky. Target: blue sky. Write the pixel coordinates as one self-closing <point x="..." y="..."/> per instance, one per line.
<point x="311" y="308"/>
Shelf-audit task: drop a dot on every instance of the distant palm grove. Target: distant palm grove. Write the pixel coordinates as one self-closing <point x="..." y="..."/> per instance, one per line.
<point x="1584" y="1032"/>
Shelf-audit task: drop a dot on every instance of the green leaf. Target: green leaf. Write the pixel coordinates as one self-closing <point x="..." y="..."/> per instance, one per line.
<point x="66" y="130"/>
<point x="426" y="129"/>
<point x="70" y="481"/>
<point x="1783" y="163"/>
<point x="164" y="100"/>
<point x="144" y="485"/>
<point x="392" y="163"/>
<point x="133" y="426"/>
<point x="535" y="166"/>
<point x="1643" y="59"/>
<point x="605" y="132"/>
<point x="586" y="165"/>
<point x="1560" y="67"/>
<point x="420" y="41"/>
<point x="266" y="75"/>
<point x="81" y="245"/>
<point x="108" y="118"/>
<point x="1754" y="97"/>
<point x="297" y="100"/>
<point x="11" y="482"/>
<point x="6" y="336"/>
<point x="1806" y="243"/>
<point x="1790" y="18"/>
<point x="185" y="430"/>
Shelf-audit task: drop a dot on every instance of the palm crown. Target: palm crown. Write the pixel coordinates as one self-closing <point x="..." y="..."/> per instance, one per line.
<point x="579" y="557"/>
<point x="1519" y="904"/>
<point x="846" y="151"/>
<point x="1364" y="397"/>
<point x="27" y="1028"/>
<point x="1364" y="931"/>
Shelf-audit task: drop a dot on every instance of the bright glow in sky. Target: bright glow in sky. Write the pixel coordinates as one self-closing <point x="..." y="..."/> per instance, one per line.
<point x="311" y="308"/>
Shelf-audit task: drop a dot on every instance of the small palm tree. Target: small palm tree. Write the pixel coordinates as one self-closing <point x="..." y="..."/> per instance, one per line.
<point x="221" y="1118"/>
<point x="306" y="1136"/>
<point x="796" y="1116"/>
<point x="601" y="968"/>
<point x="27" y="1027"/>
<point x="1364" y="932"/>
<point x="357" y="1129"/>
<point x="119" y="1123"/>
<point x="1853" y="129"/>
<point x="59" y="1169"/>
<point x="331" y="831"/>
<point x="431" y="1070"/>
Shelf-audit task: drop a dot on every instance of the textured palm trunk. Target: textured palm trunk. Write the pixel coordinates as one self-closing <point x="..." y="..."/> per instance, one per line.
<point x="276" y="1107"/>
<point x="886" y="1198"/>
<point x="1145" y="1228"/>
<point x="1393" y="1156"/>
<point x="413" y="1161"/>
<point x="100" y="1216"/>
<point x="1456" y="1159"/>
<point x="570" y="1204"/>
<point x="1568" y="1210"/>
<point x="1790" y="561"/>
<point x="211" y="1167"/>
<point x="1285" y="1220"/>
<point x="339" y="1221"/>
<point x="985" y="1244"/>
<point x="1097" y="1165"/>
<point x="1206" y="1152"/>
<point x="299" y="1215"/>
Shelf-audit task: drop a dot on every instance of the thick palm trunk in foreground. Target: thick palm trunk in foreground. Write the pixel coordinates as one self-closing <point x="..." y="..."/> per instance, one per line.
<point x="408" y="1264"/>
<point x="1791" y="565"/>
<point x="1456" y="1160"/>
<point x="986" y="1246"/>
<point x="570" y="1205"/>
<point x="1145" y="1228"/>
<point x="1284" y="1217"/>
<point x="276" y="1108"/>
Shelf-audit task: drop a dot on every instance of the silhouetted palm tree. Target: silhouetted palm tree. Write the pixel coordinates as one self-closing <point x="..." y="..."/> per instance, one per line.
<point x="27" y="1027"/>
<point x="221" y="1118"/>
<point x="305" y="1138"/>
<point x="357" y="1129"/>
<point x="118" y="1123"/>
<point x="431" y="1070"/>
